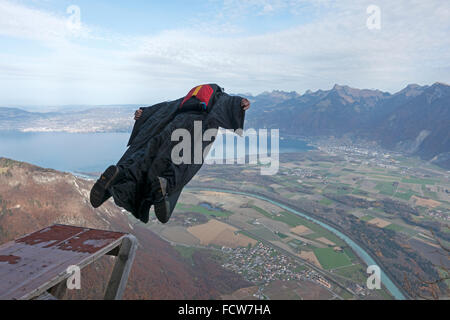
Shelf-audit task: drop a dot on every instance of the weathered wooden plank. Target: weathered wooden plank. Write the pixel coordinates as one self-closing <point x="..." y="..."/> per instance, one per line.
<point x="37" y="262"/>
<point x="64" y="275"/>
<point x="34" y="263"/>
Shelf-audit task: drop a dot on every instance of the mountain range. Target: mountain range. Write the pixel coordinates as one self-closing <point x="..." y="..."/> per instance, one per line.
<point x="415" y="120"/>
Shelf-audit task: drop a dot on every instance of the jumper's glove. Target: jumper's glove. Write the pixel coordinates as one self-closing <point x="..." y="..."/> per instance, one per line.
<point x="138" y="114"/>
<point x="245" y="104"/>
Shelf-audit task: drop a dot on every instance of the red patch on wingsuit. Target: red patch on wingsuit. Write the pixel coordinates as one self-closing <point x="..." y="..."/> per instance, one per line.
<point x="204" y="93"/>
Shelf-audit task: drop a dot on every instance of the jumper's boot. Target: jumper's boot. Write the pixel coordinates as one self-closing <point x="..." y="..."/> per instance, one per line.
<point x="161" y="201"/>
<point x="99" y="192"/>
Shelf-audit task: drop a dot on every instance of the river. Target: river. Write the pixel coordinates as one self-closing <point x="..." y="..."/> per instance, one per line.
<point x="387" y="282"/>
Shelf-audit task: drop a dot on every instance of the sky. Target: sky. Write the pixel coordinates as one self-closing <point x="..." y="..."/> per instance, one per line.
<point x="59" y="52"/>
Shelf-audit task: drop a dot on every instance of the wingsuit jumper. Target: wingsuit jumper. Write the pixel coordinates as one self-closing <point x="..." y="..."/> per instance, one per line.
<point x="146" y="175"/>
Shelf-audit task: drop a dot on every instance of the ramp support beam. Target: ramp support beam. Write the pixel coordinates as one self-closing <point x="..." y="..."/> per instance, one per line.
<point x="122" y="268"/>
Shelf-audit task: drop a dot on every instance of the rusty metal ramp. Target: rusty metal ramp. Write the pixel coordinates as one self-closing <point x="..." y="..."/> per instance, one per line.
<point x="36" y="265"/>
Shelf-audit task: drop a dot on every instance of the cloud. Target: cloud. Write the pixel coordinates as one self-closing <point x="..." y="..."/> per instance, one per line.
<point x="239" y="8"/>
<point x="337" y="48"/>
<point x="23" y="22"/>
<point x="333" y="47"/>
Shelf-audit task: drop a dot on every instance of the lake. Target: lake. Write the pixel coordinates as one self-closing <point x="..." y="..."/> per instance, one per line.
<point x="83" y="152"/>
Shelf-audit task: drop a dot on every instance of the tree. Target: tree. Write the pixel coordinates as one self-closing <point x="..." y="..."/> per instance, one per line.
<point x="433" y="286"/>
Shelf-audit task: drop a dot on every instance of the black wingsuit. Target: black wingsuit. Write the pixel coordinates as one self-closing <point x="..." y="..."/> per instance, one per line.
<point x="150" y="150"/>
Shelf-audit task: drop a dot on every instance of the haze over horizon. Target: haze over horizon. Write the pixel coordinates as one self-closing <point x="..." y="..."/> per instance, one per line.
<point x="44" y="108"/>
<point x="144" y="52"/>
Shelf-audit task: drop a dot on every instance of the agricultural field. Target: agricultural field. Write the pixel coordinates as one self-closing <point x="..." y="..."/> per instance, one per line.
<point x="220" y="234"/>
<point x="330" y="259"/>
<point x="232" y="221"/>
<point x="354" y="272"/>
<point x="395" y="198"/>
